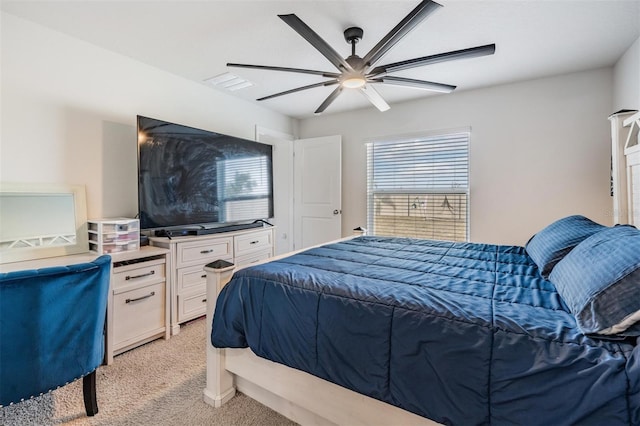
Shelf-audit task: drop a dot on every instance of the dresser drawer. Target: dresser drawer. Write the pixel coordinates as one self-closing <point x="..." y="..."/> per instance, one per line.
<point x="138" y="274"/>
<point x="191" y="306"/>
<point x="192" y="278"/>
<point x="139" y="313"/>
<point x="252" y="258"/>
<point x="252" y="243"/>
<point x="200" y="252"/>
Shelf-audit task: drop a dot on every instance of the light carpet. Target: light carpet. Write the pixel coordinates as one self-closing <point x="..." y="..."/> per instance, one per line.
<point x="160" y="383"/>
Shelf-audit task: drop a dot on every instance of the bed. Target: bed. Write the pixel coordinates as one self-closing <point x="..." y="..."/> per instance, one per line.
<point x="375" y="330"/>
<point x="459" y="333"/>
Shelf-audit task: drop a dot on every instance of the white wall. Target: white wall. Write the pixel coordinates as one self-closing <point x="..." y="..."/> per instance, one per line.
<point x="626" y="79"/>
<point x="539" y="150"/>
<point x="69" y="110"/>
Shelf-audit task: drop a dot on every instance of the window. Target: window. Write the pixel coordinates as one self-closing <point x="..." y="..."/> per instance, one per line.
<point x="419" y="187"/>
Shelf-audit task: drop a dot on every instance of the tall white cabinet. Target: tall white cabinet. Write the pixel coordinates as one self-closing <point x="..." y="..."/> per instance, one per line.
<point x="188" y="255"/>
<point x="625" y="166"/>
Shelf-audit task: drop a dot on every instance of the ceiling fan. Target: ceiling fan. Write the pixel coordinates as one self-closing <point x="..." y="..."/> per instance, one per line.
<point x="355" y="72"/>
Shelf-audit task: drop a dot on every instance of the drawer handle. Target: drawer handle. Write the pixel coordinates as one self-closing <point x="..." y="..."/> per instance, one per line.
<point x="133" y="277"/>
<point x="254" y="242"/>
<point x="203" y="276"/>
<point x="153" y="293"/>
<point x="204" y="300"/>
<point x="206" y="251"/>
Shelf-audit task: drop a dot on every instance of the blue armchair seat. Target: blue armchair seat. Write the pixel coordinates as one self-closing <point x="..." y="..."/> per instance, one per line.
<point x="52" y="329"/>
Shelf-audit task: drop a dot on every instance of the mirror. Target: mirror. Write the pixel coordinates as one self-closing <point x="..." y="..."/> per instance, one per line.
<point x="42" y="220"/>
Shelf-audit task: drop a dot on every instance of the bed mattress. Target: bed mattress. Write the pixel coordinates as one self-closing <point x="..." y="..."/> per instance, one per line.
<point x="460" y="333"/>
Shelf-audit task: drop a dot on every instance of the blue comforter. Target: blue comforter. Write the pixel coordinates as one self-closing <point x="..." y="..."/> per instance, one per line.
<point x="460" y="333"/>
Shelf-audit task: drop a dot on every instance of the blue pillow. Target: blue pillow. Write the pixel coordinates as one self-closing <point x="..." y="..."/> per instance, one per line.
<point x="554" y="242"/>
<point x="600" y="282"/>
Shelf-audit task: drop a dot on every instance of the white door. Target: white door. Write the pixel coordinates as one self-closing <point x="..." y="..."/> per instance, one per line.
<point x="317" y="190"/>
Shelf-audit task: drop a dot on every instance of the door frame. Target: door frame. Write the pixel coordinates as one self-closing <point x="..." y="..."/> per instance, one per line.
<point x="282" y="142"/>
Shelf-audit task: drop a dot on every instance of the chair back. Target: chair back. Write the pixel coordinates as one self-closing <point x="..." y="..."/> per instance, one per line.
<point x="51" y="327"/>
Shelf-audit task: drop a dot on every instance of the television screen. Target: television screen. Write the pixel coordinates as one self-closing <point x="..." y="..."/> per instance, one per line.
<point x="192" y="177"/>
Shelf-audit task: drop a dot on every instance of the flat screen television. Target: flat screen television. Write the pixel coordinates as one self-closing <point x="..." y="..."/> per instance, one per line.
<point x="190" y="178"/>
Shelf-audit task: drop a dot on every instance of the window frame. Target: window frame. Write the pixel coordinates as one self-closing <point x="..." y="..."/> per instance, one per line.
<point x="416" y="137"/>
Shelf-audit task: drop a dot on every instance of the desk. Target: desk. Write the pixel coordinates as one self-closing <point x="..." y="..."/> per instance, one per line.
<point x="134" y="316"/>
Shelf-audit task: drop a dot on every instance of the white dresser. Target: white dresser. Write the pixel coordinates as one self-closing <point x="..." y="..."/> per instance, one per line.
<point x="188" y="255"/>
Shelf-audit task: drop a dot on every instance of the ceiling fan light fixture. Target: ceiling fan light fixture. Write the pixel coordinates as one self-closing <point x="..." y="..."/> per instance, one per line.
<point x="355" y="72"/>
<point x="354" y="82"/>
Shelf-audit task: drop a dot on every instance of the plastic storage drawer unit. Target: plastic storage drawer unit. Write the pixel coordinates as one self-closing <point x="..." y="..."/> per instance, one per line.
<point x="114" y="235"/>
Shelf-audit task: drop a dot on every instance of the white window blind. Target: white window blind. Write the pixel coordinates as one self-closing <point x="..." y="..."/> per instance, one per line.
<point x="419" y="187"/>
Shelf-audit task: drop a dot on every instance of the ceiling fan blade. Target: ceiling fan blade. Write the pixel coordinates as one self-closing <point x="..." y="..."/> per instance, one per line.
<point x="286" y="69"/>
<point x="425" y="8"/>
<point x="316" y="41"/>
<point x="332" y="97"/>
<point x="374" y="97"/>
<point x="472" y="52"/>
<point x="420" y="84"/>
<point x="299" y="89"/>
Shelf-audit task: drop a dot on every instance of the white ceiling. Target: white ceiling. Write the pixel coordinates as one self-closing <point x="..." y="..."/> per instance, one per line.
<point x="195" y="39"/>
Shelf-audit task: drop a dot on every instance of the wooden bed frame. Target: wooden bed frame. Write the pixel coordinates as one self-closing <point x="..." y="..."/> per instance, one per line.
<point x="297" y="395"/>
<point x="307" y="399"/>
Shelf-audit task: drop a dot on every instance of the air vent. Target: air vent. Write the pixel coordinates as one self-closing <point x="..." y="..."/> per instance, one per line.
<point x="229" y="82"/>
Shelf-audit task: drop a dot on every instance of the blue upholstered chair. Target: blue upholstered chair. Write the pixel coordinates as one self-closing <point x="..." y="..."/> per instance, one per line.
<point x="52" y="329"/>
